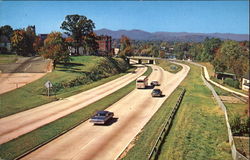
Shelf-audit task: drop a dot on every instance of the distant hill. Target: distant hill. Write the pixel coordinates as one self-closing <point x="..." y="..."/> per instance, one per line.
<point x="170" y="36"/>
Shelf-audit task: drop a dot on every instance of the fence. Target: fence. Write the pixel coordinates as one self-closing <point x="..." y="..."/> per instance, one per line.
<point x="235" y="154"/>
<point x="166" y="127"/>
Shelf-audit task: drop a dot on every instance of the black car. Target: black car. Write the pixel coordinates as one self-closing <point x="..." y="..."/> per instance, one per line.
<point x="101" y="117"/>
<point x="156" y="93"/>
<point x="155" y="83"/>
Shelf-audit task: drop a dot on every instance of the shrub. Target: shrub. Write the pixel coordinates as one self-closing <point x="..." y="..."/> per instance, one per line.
<point x="246" y="126"/>
<point x="240" y="126"/>
<point x="235" y="123"/>
<point x="232" y="83"/>
<point x="103" y="69"/>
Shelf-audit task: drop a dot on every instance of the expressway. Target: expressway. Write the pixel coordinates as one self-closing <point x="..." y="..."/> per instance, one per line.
<point x="18" y="124"/>
<point x="95" y="142"/>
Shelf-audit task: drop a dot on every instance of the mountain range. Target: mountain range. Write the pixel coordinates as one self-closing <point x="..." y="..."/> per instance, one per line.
<point x="170" y="36"/>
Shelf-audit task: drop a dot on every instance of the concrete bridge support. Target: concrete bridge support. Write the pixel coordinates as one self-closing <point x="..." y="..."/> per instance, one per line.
<point x="128" y="60"/>
<point x="151" y="61"/>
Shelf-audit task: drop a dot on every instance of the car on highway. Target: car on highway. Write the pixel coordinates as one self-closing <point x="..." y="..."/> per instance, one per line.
<point x="155" y="83"/>
<point x="101" y="117"/>
<point x="156" y="93"/>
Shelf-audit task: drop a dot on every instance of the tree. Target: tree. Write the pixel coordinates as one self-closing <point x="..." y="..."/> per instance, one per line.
<point x="19" y="42"/>
<point x="6" y="31"/>
<point x="90" y="45"/>
<point x="195" y="51"/>
<point x="30" y="38"/>
<point x="55" y="48"/>
<point x="210" y="46"/>
<point x="23" y="41"/>
<point x="125" y="48"/>
<point x="232" y="57"/>
<point x="162" y="54"/>
<point x="180" y="50"/>
<point x="38" y="43"/>
<point x="77" y="27"/>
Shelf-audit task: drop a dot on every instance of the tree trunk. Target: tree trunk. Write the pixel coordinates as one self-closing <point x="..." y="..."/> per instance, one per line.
<point x="54" y="64"/>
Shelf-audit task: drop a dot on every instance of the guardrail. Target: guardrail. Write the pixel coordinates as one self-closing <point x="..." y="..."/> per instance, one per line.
<point x="166" y="127"/>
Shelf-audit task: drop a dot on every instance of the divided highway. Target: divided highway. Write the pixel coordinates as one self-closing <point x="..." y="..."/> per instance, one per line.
<point x="95" y="142"/>
<point x="18" y="124"/>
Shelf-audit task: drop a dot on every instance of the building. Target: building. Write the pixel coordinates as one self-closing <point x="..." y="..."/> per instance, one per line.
<point x="116" y="51"/>
<point x="245" y="83"/>
<point x="105" y="45"/>
<point x="5" y="44"/>
<point x="224" y="75"/>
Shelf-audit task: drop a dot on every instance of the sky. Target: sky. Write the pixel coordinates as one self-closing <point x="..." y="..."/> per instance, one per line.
<point x="152" y="16"/>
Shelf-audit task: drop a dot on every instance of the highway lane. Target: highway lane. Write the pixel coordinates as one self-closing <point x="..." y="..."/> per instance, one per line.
<point x="95" y="142"/>
<point x="18" y="124"/>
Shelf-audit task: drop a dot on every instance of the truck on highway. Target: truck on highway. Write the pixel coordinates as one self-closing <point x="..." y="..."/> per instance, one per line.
<point x="142" y="82"/>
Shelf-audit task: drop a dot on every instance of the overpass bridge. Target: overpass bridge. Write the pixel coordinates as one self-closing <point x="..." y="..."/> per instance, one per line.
<point x="139" y="59"/>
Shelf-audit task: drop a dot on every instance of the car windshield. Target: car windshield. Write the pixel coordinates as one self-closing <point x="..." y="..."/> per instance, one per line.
<point x="140" y="81"/>
<point x="156" y="90"/>
<point x="101" y="114"/>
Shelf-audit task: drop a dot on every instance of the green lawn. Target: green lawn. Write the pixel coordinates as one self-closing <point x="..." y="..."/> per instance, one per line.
<point x="34" y="94"/>
<point x="233" y="108"/>
<point x="5" y="59"/>
<point x="198" y="132"/>
<point x="28" y="141"/>
<point x="168" y="66"/>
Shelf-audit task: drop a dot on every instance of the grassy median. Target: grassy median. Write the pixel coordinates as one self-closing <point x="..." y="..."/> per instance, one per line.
<point x="16" y="147"/>
<point x="168" y="66"/>
<point x="198" y="131"/>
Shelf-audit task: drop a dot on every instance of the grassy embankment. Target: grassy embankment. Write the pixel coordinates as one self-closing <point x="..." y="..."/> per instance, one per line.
<point x="5" y="59"/>
<point x="28" y="141"/>
<point x="198" y="131"/>
<point x="210" y="69"/>
<point x="233" y="107"/>
<point x="168" y="66"/>
<point x="92" y="71"/>
<point x="236" y="108"/>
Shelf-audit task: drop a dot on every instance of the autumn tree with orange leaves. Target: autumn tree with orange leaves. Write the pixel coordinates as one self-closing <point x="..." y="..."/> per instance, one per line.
<point x="55" y="48"/>
<point x="126" y="47"/>
<point x="23" y="40"/>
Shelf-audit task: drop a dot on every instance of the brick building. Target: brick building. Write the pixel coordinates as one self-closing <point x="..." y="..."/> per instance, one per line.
<point x="105" y="45"/>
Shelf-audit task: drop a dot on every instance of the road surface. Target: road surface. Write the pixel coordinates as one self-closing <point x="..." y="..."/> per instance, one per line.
<point x="95" y="142"/>
<point x="18" y="124"/>
<point x="11" y="81"/>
